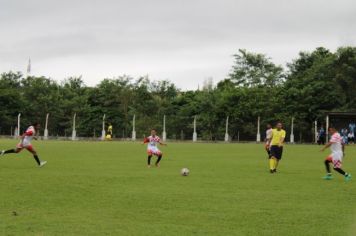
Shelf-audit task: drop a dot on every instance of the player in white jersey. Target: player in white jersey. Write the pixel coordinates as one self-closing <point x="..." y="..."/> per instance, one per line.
<point x="268" y="140"/>
<point x="25" y="142"/>
<point x="337" y="152"/>
<point x="152" y="148"/>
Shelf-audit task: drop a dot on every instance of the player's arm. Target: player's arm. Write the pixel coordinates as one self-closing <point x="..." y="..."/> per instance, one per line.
<point x="281" y="141"/>
<point x="160" y="143"/>
<point x="270" y="138"/>
<point x="267" y="142"/>
<point x="326" y="146"/>
<point x="35" y="135"/>
<point x="145" y="140"/>
<point x="22" y="136"/>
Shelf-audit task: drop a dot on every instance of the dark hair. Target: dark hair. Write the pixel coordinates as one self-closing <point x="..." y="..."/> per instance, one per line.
<point x="35" y="124"/>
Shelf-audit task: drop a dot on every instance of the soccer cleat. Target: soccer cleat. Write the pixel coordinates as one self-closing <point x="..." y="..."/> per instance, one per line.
<point x="347" y="177"/>
<point x="328" y="177"/>
<point x="271" y="171"/>
<point x="148" y="166"/>
<point x="275" y="170"/>
<point x="157" y="165"/>
<point x="2" y="153"/>
<point x="43" y="163"/>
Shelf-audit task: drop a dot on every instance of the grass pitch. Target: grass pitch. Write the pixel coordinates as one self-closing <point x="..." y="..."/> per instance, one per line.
<point x="105" y="188"/>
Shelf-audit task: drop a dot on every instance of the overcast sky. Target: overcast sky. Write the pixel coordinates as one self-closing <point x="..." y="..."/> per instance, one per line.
<point x="184" y="41"/>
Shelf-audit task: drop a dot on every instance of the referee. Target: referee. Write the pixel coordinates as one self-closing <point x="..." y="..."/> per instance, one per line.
<point x="277" y="141"/>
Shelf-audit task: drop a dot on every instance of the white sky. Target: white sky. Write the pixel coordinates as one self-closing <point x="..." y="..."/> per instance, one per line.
<point x="184" y="41"/>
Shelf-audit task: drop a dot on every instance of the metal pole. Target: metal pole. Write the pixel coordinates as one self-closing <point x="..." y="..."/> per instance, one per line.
<point x="18" y="124"/>
<point x="103" y="133"/>
<point x="45" y="135"/>
<point x="164" y="134"/>
<point x="327" y="129"/>
<point x="195" y="136"/>
<point x="316" y="131"/>
<point x="227" y="130"/>
<point x="292" y="131"/>
<point x="258" y="138"/>
<point x="133" y="138"/>
<point x="74" y="132"/>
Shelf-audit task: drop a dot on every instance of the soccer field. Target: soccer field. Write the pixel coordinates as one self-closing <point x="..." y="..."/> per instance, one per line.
<point x="105" y="188"/>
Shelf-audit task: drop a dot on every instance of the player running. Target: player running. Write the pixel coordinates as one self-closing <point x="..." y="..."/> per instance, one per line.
<point x="110" y="130"/>
<point x="152" y="148"/>
<point x="268" y="140"/>
<point x="26" y="143"/>
<point x="337" y="152"/>
<point x="276" y="151"/>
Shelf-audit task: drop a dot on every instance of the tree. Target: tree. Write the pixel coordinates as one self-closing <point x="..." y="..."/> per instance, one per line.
<point x="251" y="70"/>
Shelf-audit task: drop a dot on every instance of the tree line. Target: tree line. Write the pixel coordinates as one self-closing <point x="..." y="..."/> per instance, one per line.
<point x="307" y="87"/>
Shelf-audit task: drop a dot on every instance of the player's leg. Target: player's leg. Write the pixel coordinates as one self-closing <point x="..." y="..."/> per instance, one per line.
<point x="3" y="152"/>
<point x="149" y="157"/>
<point x="278" y="158"/>
<point x="14" y="150"/>
<point x="276" y="165"/>
<point x="159" y="157"/>
<point x="327" y="162"/>
<point x="272" y="159"/>
<point x="35" y="156"/>
<point x="337" y="168"/>
<point x="271" y="164"/>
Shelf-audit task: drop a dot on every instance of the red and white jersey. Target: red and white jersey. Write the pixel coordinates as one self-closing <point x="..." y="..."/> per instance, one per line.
<point x="336" y="143"/>
<point x="30" y="132"/>
<point x="152" y="141"/>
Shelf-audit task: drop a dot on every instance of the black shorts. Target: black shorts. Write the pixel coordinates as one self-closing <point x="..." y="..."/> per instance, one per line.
<point x="268" y="152"/>
<point x="276" y="152"/>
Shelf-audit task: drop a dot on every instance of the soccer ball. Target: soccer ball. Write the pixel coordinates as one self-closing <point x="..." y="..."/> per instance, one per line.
<point x="184" y="172"/>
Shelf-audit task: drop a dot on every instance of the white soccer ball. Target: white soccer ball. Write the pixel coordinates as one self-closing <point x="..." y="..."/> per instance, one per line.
<point x="184" y="172"/>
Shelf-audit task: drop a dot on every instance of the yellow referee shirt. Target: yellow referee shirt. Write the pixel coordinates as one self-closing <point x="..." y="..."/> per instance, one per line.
<point x="277" y="135"/>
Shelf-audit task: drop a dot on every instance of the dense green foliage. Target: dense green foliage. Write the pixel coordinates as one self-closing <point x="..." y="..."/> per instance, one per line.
<point x="105" y="188"/>
<point x="310" y="85"/>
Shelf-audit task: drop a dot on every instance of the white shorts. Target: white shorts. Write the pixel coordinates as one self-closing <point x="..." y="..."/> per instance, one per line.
<point x="336" y="159"/>
<point x="27" y="145"/>
<point x="154" y="151"/>
<point x="337" y="156"/>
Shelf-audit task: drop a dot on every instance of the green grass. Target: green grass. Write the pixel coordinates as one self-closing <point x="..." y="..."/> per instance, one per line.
<point x="105" y="188"/>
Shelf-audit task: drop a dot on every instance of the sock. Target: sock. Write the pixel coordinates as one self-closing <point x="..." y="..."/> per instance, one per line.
<point x="37" y="159"/>
<point x="340" y="171"/>
<point x="271" y="163"/>
<point x="276" y="162"/>
<point x="149" y="160"/>
<point x="10" y="151"/>
<point x="327" y="165"/>
<point x="159" y="159"/>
